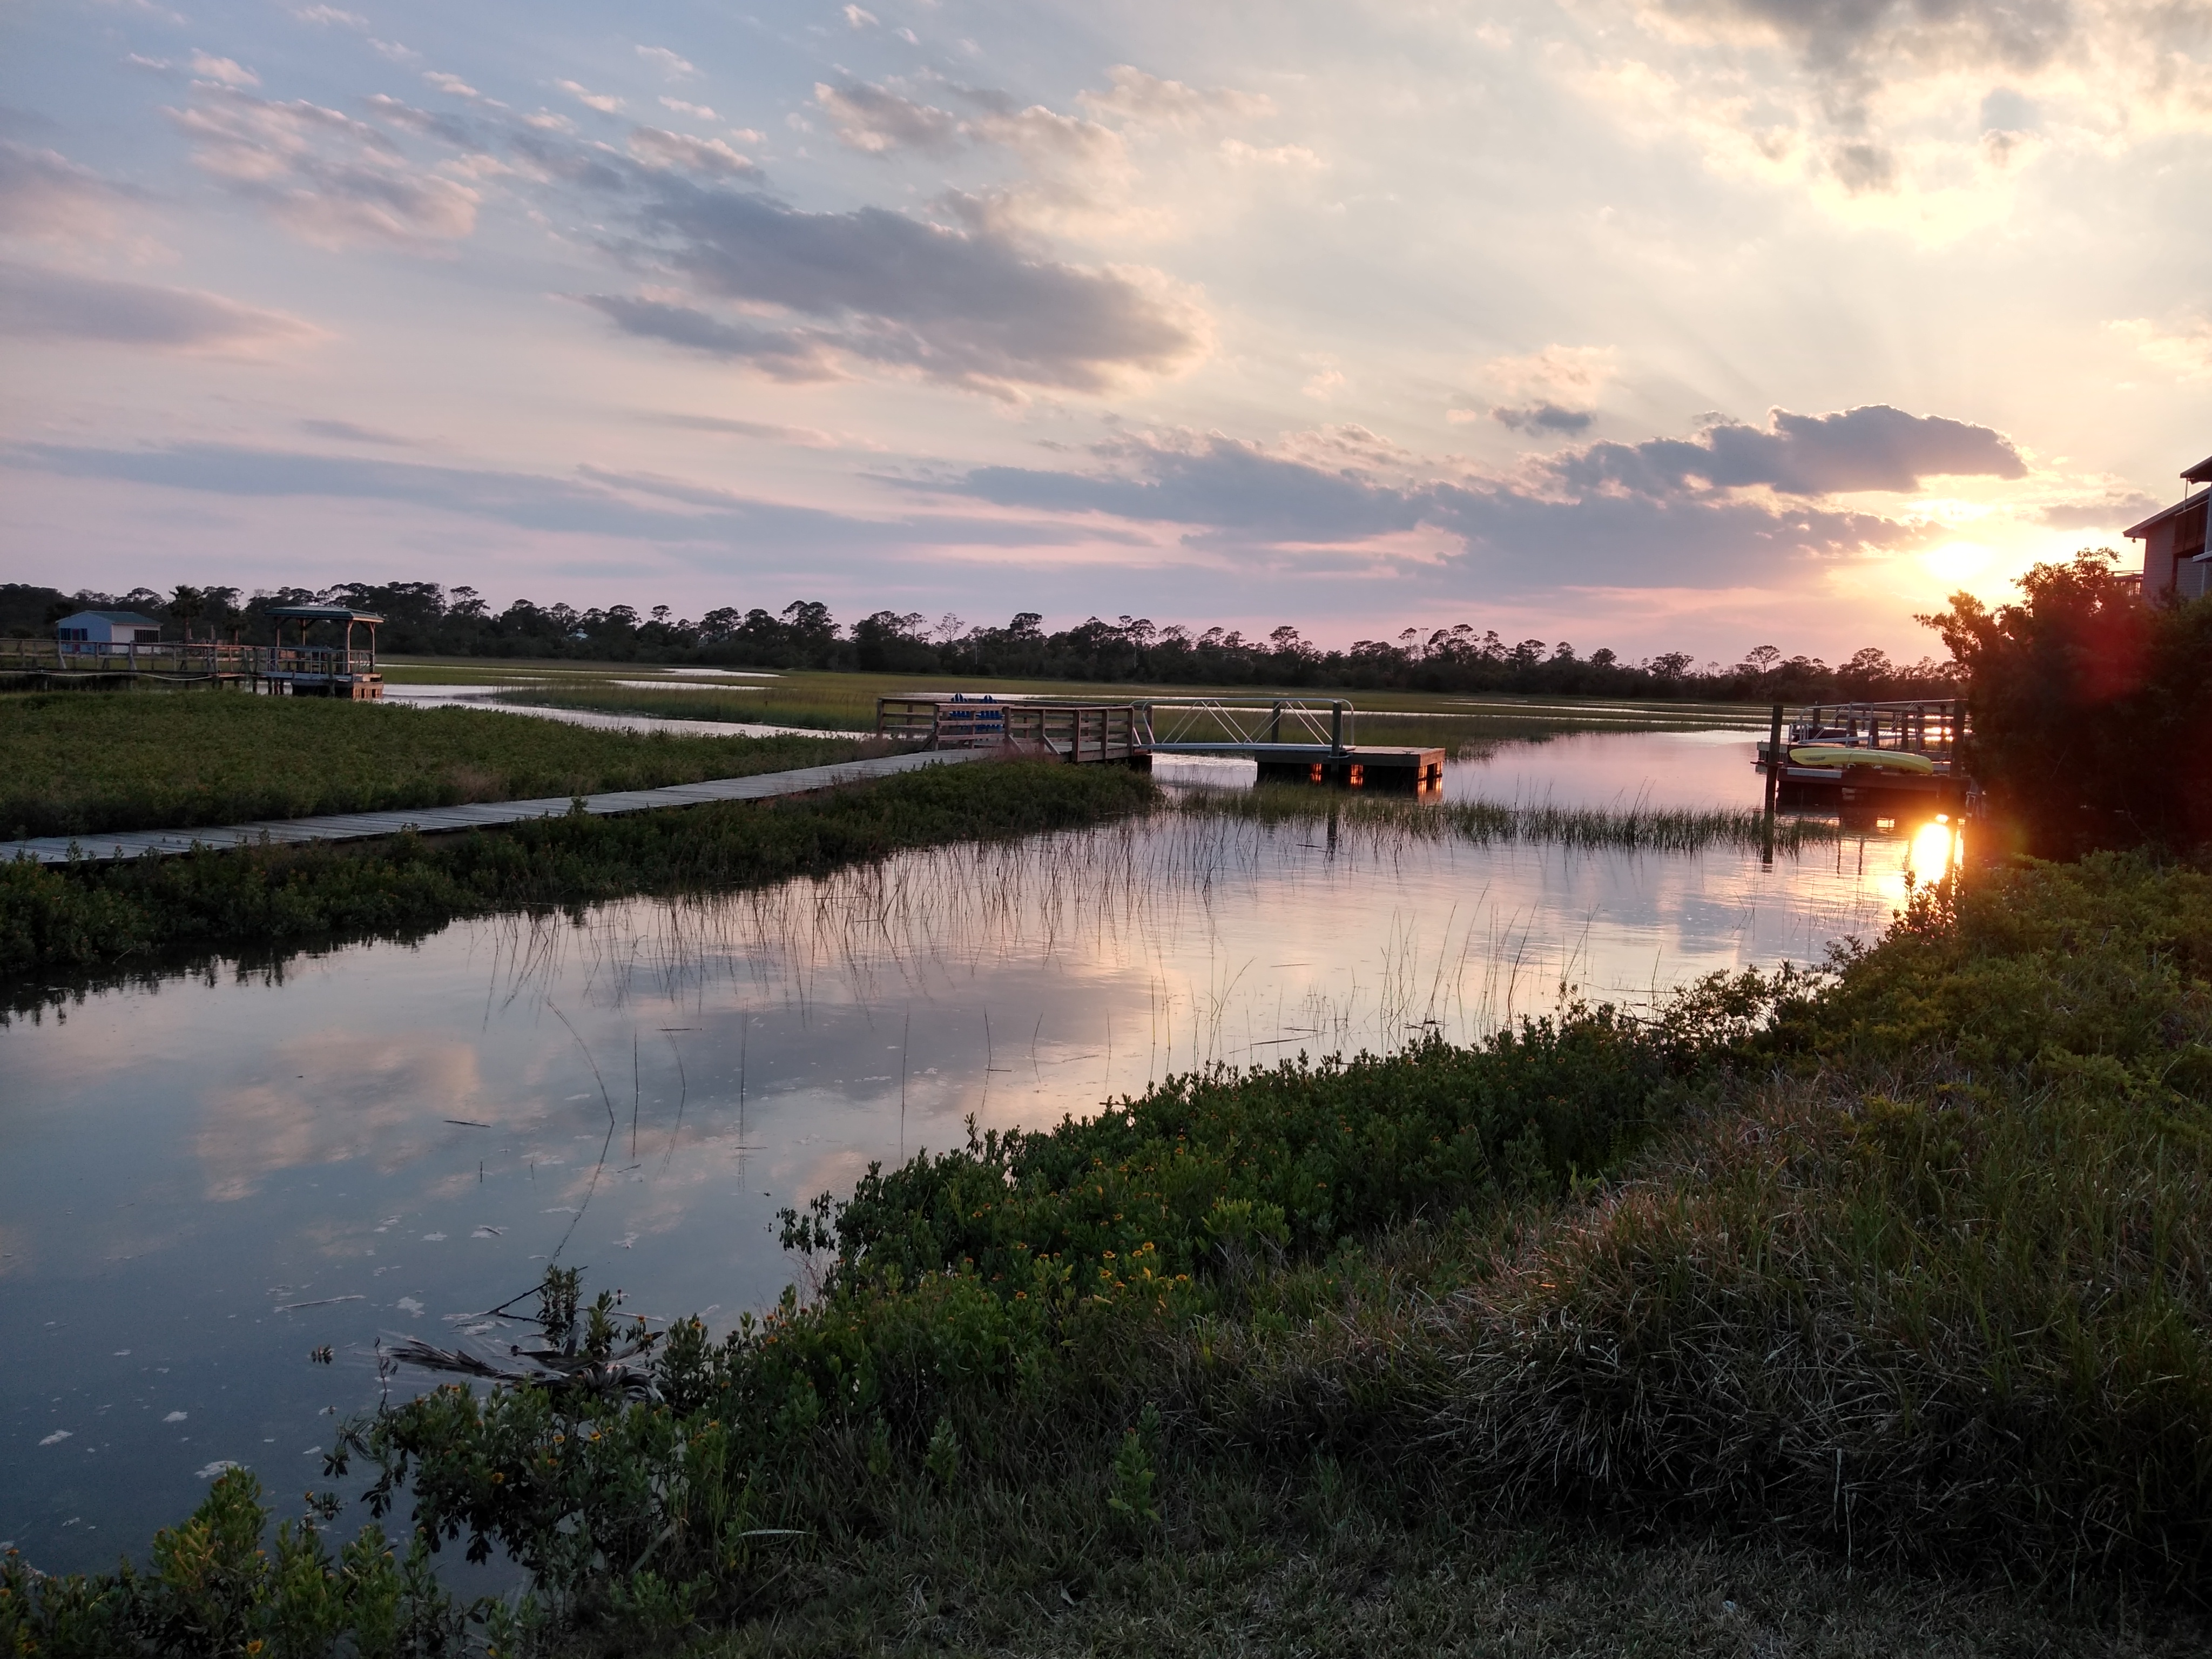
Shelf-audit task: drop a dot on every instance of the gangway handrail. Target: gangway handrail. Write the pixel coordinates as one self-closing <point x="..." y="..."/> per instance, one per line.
<point x="1243" y="721"/>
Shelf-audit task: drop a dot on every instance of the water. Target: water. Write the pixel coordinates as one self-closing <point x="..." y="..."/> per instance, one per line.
<point x="477" y="696"/>
<point x="211" y="1177"/>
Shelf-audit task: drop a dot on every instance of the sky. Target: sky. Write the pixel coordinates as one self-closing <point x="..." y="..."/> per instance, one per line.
<point x="1658" y="325"/>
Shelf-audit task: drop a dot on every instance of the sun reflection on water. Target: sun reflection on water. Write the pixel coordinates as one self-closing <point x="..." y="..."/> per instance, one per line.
<point x="1935" y="849"/>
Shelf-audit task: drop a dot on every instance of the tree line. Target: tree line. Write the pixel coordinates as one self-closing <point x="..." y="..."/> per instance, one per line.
<point x="428" y="619"/>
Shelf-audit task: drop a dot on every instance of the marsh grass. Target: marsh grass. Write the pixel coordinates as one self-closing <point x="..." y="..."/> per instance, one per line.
<point x="847" y="702"/>
<point x="76" y="763"/>
<point x="73" y="919"/>
<point x="1880" y="1307"/>
<point x="1910" y="1270"/>
<point x="1627" y="829"/>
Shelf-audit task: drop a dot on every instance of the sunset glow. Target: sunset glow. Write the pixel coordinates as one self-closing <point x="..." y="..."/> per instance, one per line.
<point x="939" y="307"/>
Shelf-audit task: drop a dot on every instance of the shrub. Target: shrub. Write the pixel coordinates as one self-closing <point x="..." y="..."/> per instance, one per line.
<point x="2092" y="710"/>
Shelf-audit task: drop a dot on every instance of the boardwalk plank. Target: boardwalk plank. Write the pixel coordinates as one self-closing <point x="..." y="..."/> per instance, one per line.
<point x="433" y="820"/>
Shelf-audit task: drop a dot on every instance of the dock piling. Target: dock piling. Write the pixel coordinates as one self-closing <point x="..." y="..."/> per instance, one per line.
<point x="1773" y="784"/>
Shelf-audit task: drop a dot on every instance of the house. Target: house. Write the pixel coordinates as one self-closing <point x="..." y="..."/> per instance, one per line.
<point x="2176" y="565"/>
<point x="107" y="628"/>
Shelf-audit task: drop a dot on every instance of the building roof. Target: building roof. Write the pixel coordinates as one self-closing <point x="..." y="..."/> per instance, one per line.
<point x="2136" y="532"/>
<point x="2200" y="473"/>
<point x="325" y="613"/>
<point x="130" y="618"/>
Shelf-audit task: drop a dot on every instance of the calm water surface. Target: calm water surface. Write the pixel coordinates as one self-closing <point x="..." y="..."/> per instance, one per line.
<point x="208" y="1178"/>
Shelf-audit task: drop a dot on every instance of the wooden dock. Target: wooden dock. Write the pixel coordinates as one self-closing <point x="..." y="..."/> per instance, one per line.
<point x="1292" y="740"/>
<point x="294" y="669"/>
<point x="1928" y="730"/>
<point x="440" y="820"/>
<point x="1083" y="732"/>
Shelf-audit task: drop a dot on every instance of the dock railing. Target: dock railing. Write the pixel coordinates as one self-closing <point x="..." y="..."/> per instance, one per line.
<point x="184" y="657"/>
<point x="1071" y="730"/>
<point x="1930" y="726"/>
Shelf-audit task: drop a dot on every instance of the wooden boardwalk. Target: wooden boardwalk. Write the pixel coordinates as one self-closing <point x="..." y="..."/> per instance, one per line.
<point x="432" y="820"/>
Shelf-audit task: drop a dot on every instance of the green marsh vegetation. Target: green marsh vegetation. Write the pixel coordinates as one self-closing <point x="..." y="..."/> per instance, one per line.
<point x="1874" y="1306"/>
<point x="67" y="920"/>
<point x="1633" y="827"/>
<point x="78" y="764"/>
<point x="846" y="701"/>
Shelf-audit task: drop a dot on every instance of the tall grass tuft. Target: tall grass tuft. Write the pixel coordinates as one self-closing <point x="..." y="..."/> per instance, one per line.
<point x="1630" y="828"/>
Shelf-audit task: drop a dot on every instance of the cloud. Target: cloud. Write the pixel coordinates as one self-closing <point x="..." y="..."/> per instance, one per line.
<point x="1078" y="178"/>
<point x="1292" y="157"/>
<point x="38" y="303"/>
<point x="781" y="354"/>
<point x="1218" y="482"/>
<point x="859" y="19"/>
<point x="45" y="196"/>
<point x="1876" y="447"/>
<point x="348" y="432"/>
<point x="527" y="501"/>
<point x="669" y="64"/>
<point x="806" y="437"/>
<point x="2184" y="351"/>
<point x="697" y="112"/>
<point x="1847" y="42"/>
<point x="605" y="103"/>
<point x="1147" y="101"/>
<point x="328" y="178"/>
<point x="454" y="87"/>
<point x="2115" y="512"/>
<point x="876" y="122"/>
<point x="963" y="306"/>
<point x="1573" y="375"/>
<point x="596" y="504"/>
<point x="1542" y="418"/>
<point x="1345" y="490"/>
<point x="1908" y="112"/>
<point x="1552" y="391"/>
<point x="330" y="15"/>
<point x="658" y="147"/>
<point x="224" y="70"/>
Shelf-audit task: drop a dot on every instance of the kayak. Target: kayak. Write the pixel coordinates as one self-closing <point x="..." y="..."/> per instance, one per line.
<point x="1836" y="754"/>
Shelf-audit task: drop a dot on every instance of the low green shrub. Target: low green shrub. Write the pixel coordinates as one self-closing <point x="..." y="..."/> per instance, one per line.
<point x="219" y="1584"/>
<point x="1911" y="1265"/>
<point x="2092" y="708"/>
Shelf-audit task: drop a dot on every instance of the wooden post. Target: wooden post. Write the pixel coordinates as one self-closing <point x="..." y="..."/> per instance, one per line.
<point x="1773" y="783"/>
<point x="1336" y="728"/>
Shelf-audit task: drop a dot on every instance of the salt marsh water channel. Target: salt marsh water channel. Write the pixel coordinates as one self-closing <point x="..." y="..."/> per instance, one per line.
<point x="209" y="1176"/>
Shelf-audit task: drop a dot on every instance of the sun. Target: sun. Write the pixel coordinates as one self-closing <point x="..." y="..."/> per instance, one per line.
<point x="1956" y="561"/>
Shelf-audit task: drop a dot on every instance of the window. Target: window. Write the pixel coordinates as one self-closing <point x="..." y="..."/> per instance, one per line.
<point x="146" y="635"/>
<point x="76" y="632"/>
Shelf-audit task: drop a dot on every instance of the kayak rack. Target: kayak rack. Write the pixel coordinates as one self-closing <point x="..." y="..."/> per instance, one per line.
<point x="1867" y="757"/>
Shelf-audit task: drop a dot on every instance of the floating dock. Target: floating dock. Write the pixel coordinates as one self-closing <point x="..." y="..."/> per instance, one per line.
<point x="1293" y="741"/>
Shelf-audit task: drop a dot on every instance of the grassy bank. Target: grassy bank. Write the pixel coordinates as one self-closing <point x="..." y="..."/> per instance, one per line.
<point x="76" y="918"/>
<point x="1881" y="1310"/>
<point x="847" y="702"/>
<point x="1629" y="828"/>
<point x="75" y="763"/>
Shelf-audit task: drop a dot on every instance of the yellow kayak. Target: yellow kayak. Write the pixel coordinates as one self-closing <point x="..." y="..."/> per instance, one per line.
<point x="1835" y="754"/>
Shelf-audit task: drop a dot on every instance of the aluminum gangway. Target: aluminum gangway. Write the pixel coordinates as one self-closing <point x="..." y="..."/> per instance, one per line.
<point x="1290" y="739"/>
